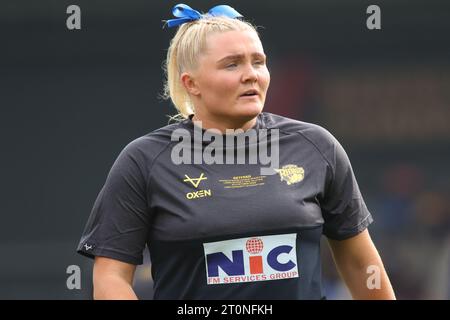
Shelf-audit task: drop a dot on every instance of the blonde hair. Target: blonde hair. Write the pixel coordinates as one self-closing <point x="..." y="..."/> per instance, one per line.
<point x="185" y="47"/>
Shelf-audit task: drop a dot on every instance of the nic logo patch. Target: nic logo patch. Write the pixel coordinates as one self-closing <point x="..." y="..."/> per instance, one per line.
<point x="251" y="259"/>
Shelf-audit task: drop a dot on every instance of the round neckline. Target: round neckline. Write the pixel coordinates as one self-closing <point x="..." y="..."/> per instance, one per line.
<point x="259" y="124"/>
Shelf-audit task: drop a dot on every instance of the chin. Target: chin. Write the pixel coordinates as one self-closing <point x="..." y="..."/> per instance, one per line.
<point x="242" y="113"/>
<point x="250" y="110"/>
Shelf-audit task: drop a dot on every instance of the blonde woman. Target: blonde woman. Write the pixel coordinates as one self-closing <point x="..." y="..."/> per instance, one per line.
<point x="217" y="230"/>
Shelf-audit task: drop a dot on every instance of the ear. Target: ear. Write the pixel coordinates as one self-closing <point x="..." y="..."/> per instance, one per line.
<point x="190" y="84"/>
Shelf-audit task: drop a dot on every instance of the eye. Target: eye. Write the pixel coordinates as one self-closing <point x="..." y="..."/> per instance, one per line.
<point x="231" y="65"/>
<point x="260" y="62"/>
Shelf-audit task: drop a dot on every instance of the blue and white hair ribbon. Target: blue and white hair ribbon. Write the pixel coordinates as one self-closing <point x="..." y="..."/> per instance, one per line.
<point x="184" y="14"/>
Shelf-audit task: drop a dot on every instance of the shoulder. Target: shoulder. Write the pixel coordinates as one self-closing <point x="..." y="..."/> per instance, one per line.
<point x="147" y="147"/>
<point x="317" y="135"/>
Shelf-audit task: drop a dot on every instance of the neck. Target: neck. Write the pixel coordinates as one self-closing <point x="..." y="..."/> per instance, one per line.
<point x="222" y="124"/>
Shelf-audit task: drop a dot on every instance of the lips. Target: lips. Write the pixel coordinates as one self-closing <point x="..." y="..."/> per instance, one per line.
<point x="250" y="93"/>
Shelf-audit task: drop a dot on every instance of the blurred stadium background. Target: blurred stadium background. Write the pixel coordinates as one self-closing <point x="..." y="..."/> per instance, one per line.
<point x="71" y="100"/>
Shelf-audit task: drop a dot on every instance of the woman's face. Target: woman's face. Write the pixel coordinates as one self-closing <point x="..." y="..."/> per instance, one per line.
<point x="232" y="78"/>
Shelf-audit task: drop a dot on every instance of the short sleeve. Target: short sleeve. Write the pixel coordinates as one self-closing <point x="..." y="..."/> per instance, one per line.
<point x="119" y="222"/>
<point x="343" y="208"/>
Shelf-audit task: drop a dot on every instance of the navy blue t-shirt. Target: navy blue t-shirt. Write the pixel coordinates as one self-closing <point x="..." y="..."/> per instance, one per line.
<point x="224" y="231"/>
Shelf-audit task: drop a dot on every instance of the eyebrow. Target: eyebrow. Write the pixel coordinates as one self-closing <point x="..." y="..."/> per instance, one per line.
<point x="241" y="56"/>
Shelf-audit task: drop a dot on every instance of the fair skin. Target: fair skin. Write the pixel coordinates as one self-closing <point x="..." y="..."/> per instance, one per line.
<point x="353" y="257"/>
<point x="233" y="63"/>
<point x="113" y="279"/>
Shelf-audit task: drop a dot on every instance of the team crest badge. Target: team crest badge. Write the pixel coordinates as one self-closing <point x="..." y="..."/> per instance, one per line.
<point x="291" y="173"/>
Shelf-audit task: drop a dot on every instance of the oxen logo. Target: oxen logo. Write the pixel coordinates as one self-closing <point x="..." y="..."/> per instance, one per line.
<point x="196" y="182"/>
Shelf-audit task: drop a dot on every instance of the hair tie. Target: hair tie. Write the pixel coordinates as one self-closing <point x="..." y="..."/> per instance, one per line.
<point x="184" y="14"/>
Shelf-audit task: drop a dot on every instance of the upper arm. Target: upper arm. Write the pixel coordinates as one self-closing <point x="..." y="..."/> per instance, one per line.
<point x="353" y="258"/>
<point x="358" y="251"/>
<point x="107" y="267"/>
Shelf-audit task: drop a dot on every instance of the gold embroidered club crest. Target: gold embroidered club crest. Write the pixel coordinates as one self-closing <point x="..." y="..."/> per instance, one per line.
<point x="291" y="173"/>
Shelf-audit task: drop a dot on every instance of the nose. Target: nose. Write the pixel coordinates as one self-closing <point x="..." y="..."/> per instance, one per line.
<point x="249" y="74"/>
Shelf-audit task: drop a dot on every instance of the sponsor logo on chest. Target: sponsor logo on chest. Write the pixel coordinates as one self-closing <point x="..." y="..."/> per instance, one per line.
<point x="251" y="259"/>
<point x="196" y="182"/>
